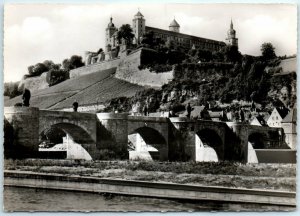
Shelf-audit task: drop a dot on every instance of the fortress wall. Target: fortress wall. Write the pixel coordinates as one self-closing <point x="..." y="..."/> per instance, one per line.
<point x="34" y="83"/>
<point x="288" y="65"/>
<point x="128" y="70"/>
<point x="94" y="67"/>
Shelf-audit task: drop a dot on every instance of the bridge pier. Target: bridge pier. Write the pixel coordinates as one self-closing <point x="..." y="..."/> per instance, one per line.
<point x="113" y="132"/>
<point x="25" y="138"/>
<point x="182" y="139"/>
<point x="237" y="141"/>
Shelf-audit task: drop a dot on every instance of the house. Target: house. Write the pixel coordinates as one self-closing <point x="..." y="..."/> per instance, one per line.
<point x="259" y="121"/>
<point x="216" y="115"/>
<point x="289" y="125"/>
<point x="196" y="110"/>
<point x="276" y="117"/>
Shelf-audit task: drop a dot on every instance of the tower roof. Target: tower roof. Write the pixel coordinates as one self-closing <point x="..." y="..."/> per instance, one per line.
<point x="110" y="24"/>
<point x="231" y="30"/>
<point x="139" y="14"/>
<point x="174" y="23"/>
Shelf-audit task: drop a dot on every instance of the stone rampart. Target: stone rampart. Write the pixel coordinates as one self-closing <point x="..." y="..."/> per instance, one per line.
<point x="97" y="67"/>
<point x="34" y="83"/>
<point x="128" y="70"/>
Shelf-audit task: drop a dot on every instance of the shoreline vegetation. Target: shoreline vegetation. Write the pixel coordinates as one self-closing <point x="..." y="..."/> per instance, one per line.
<point x="236" y="175"/>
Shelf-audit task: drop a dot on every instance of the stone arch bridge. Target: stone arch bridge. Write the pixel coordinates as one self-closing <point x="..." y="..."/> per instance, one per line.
<point x="175" y="138"/>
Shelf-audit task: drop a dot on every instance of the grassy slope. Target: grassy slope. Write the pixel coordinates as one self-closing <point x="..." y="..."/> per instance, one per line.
<point x="258" y="176"/>
<point x="102" y="91"/>
<point x="91" y="88"/>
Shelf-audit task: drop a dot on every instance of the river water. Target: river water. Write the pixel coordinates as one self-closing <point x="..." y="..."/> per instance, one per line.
<point x="28" y="199"/>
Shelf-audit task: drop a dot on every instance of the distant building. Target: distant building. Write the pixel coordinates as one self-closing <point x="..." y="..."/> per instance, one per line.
<point x="172" y="35"/>
<point x="276" y="117"/>
<point x="216" y="115"/>
<point x="231" y="37"/>
<point x="289" y="125"/>
<point x="259" y="121"/>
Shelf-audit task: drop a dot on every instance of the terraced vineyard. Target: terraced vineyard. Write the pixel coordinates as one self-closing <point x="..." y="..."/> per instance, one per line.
<point x="89" y="89"/>
<point x="102" y="91"/>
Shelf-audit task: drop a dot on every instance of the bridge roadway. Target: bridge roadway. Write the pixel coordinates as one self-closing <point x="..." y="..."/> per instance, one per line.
<point x="175" y="138"/>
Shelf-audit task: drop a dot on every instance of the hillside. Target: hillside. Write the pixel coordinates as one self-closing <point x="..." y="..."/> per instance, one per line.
<point x="88" y="89"/>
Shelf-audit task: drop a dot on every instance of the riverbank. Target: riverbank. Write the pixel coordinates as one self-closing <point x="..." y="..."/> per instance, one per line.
<point x="223" y="174"/>
<point x="148" y="189"/>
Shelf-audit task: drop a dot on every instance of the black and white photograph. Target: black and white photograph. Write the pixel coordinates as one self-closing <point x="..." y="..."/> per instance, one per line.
<point x="149" y="107"/>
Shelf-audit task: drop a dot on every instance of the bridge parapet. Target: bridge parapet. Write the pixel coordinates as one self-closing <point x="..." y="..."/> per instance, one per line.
<point x="148" y="119"/>
<point x="69" y="121"/>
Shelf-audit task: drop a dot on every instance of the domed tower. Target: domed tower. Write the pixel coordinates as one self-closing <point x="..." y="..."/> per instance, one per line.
<point x="109" y="31"/>
<point x="174" y="26"/>
<point x="138" y="24"/>
<point x="231" y="39"/>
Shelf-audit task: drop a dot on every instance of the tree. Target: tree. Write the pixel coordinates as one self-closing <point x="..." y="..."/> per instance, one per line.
<point x="51" y="65"/>
<point x="72" y="63"/>
<point x="152" y="41"/>
<point x="30" y="69"/>
<point x="231" y="53"/>
<point x="11" y="89"/>
<point x="56" y="76"/>
<point x="38" y="69"/>
<point x="268" y="51"/>
<point x="125" y="33"/>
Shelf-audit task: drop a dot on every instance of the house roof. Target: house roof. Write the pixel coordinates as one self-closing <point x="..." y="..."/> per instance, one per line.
<point x="282" y="112"/>
<point x="291" y="116"/>
<point x="261" y="120"/>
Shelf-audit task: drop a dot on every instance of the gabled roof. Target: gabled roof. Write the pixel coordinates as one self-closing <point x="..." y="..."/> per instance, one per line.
<point x="261" y="120"/>
<point x="291" y="117"/>
<point x="282" y="112"/>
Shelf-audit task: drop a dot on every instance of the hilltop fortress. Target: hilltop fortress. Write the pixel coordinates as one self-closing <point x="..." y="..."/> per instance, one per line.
<point x="118" y="65"/>
<point x="114" y="48"/>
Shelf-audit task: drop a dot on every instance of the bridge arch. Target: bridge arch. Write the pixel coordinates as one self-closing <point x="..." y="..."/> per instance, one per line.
<point x="209" y="145"/>
<point x="82" y="146"/>
<point x="257" y="140"/>
<point x="77" y="133"/>
<point x="148" y="142"/>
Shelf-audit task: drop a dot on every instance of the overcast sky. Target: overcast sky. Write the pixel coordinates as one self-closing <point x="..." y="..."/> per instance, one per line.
<point x="34" y="33"/>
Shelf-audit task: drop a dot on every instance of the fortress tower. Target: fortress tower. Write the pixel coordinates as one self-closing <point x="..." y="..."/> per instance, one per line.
<point x="109" y="31"/>
<point x="174" y="26"/>
<point x="231" y="39"/>
<point x="138" y="24"/>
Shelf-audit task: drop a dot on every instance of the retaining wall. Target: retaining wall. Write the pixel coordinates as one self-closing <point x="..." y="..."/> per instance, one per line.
<point x="276" y="155"/>
<point x="97" y="67"/>
<point x="148" y="189"/>
<point x="128" y="70"/>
